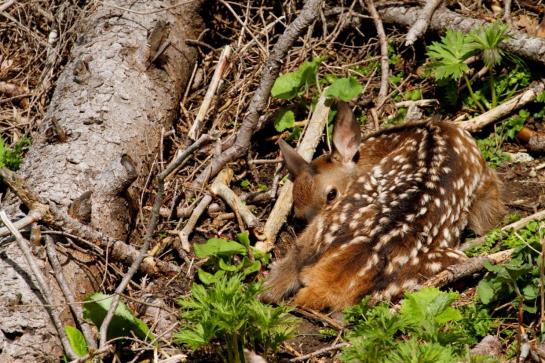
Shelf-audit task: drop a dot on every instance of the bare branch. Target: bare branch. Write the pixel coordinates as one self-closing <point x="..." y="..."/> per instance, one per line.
<point x="259" y="100"/>
<point x="421" y="25"/>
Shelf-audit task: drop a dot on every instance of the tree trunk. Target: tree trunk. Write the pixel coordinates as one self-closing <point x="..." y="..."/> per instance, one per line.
<point x="108" y="109"/>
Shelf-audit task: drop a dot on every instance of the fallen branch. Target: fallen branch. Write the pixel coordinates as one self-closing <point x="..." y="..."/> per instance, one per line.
<point x="46" y="293"/>
<point x="422" y="22"/>
<point x="220" y="188"/>
<point x="477" y="123"/>
<point x="75" y="308"/>
<point x="515" y="226"/>
<point x="320" y="352"/>
<point x="306" y="149"/>
<point x="184" y="234"/>
<point x="466" y="268"/>
<point x="259" y="100"/>
<point x="518" y="42"/>
<point x="54" y="217"/>
<point x="195" y="129"/>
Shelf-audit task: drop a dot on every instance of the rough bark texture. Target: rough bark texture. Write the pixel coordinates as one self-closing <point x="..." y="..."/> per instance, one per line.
<point x="112" y="108"/>
<point x="520" y="43"/>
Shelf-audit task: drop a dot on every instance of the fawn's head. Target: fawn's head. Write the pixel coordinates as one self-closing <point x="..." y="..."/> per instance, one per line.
<point x="326" y="178"/>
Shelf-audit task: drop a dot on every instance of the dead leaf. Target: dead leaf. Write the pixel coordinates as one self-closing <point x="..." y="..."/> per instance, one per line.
<point x="540" y="31"/>
<point x="528" y="23"/>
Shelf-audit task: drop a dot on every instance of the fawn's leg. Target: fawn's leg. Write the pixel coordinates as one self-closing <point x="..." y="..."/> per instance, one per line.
<point x="283" y="279"/>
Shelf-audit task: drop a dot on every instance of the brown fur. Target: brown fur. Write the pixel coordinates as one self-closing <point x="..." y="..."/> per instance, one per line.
<point x="396" y="220"/>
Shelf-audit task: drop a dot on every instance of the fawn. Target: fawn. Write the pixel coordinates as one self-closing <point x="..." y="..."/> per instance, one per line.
<point x="384" y="213"/>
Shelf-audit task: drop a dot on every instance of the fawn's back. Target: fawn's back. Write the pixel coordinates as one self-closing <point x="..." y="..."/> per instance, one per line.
<point x="396" y="221"/>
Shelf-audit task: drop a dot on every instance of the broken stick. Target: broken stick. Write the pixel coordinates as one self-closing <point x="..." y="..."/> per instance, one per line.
<point x="195" y="129"/>
<point x="477" y="123"/>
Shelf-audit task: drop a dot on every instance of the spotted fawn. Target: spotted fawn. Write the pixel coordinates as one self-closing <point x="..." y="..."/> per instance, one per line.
<point x="385" y="213"/>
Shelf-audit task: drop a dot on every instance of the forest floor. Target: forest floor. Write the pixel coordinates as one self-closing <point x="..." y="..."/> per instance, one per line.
<point x="348" y="47"/>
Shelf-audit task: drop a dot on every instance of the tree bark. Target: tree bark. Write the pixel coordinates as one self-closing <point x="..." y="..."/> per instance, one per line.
<point x="111" y="103"/>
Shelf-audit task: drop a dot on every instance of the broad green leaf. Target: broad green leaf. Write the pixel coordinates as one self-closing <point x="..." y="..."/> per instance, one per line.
<point x="530" y="292"/>
<point x="285" y="119"/>
<point x="244" y="238"/>
<point x="449" y="54"/>
<point x="208" y="278"/>
<point x="429" y="304"/>
<point x="288" y="85"/>
<point x="76" y="340"/>
<point x="345" y="89"/>
<point x="485" y="291"/>
<point x="216" y="247"/>
<point x="123" y="322"/>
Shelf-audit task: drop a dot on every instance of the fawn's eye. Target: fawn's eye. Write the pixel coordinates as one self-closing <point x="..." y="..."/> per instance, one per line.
<point x="331" y="195"/>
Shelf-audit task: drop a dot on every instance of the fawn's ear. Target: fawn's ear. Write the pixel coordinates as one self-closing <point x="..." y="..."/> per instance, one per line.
<point x="346" y="133"/>
<point x="294" y="162"/>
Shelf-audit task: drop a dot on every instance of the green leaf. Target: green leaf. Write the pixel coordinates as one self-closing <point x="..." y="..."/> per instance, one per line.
<point x="448" y="55"/>
<point x="485" y="291"/>
<point x="245" y="184"/>
<point x="123" y="323"/>
<point x="345" y="89"/>
<point x="486" y="40"/>
<point x="285" y="119"/>
<point x="228" y="267"/>
<point x="244" y="238"/>
<point x="76" y="340"/>
<point x="288" y="85"/>
<point x="216" y="247"/>
<point x="208" y="278"/>
<point x="429" y="303"/>
<point x="253" y="267"/>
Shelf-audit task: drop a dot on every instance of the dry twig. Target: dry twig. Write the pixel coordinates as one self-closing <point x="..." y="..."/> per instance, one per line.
<point x="259" y="100"/>
<point x="384" y="62"/>
<point x="466" y="268"/>
<point x="183" y="235"/>
<point x="195" y="129"/>
<point x="220" y="187"/>
<point x="75" y="308"/>
<point x="320" y="352"/>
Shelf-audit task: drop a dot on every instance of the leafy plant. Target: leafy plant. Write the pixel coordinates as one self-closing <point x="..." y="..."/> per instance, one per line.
<point x="227" y="312"/>
<point x="517" y="280"/>
<point x="344" y="89"/>
<point x="289" y="85"/>
<point x="491" y="146"/>
<point x="12" y="157"/>
<point x="298" y="83"/>
<point x="426" y="329"/>
<point x="229" y="257"/>
<point x="449" y="59"/>
<point x="123" y="322"/>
